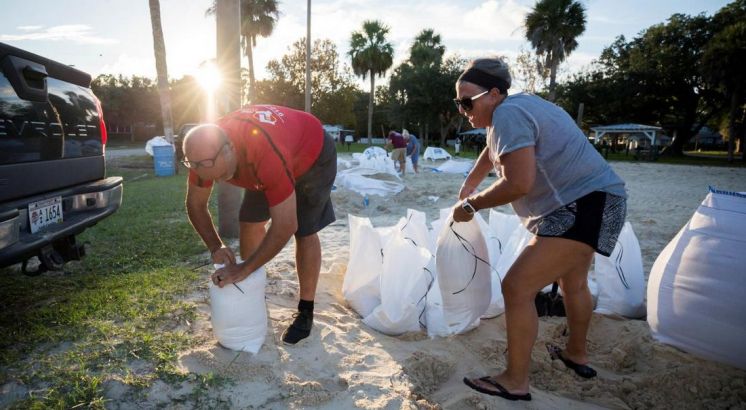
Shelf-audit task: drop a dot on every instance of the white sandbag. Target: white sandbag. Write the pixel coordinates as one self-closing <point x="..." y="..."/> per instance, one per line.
<point x="697" y="286"/>
<point x="239" y="317"/>
<point x="463" y="274"/>
<point x="361" y="287"/>
<point x="502" y="226"/>
<point x="497" y="304"/>
<point x="455" y="167"/>
<point x="372" y="152"/>
<point x="155" y="142"/>
<point x="620" y="278"/>
<point x="404" y="286"/>
<point x="517" y="241"/>
<point x="414" y="227"/>
<point x="354" y="179"/>
<point x="433" y="153"/>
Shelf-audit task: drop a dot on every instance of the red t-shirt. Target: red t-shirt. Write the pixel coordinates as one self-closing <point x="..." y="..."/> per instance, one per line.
<point x="274" y="146"/>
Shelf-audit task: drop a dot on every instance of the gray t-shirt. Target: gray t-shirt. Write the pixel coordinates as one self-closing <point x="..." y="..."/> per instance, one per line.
<point x="567" y="165"/>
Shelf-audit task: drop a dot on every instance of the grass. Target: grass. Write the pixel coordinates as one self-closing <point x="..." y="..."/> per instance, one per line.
<point x="65" y="336"/>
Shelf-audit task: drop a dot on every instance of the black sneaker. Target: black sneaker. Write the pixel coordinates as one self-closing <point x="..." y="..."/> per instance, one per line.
<point x="300" y="329"/>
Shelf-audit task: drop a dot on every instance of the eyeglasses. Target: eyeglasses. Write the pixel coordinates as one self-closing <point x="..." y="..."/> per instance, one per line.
<point x="467" y="103"/>
<point x="205" y="163"/>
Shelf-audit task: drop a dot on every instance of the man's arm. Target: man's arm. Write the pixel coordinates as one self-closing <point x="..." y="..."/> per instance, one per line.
<point x="197" y="199"/>
<point x="481" y="168"/>
<point x="284" y="225"/>
<point x="519" y="173"/>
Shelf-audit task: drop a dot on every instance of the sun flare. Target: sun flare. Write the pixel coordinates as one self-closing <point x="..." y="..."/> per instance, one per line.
<point x="209" y="77"/>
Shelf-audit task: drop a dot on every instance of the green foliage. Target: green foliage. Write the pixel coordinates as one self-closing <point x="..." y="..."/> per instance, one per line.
<point x="673" y="74"/>
<point x="421" y="89"/>
<point x="552" y="27"/>
<point x="371" y="55"/>
<point x="333" y="92"/>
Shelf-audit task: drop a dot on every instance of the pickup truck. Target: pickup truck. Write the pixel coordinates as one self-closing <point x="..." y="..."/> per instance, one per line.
<point x="53" y="182"/>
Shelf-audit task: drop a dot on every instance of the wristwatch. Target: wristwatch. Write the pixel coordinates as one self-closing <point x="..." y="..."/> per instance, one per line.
<point x="469" y="208"/>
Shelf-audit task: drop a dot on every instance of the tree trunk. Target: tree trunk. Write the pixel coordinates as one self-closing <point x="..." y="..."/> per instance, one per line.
<point x="228" y="50"/>
<point x="252" y="81"/>
<point x="733" y="119"/>
<point x="159" y="48"/>
<point x="553" y="81"/>
<point x="370" y="107"/>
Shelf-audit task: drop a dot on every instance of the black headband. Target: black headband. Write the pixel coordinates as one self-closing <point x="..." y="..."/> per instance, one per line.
<point x="484" y="80"/>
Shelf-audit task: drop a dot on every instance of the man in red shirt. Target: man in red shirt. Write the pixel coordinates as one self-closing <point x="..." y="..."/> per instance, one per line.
<point x="287" y="165"/>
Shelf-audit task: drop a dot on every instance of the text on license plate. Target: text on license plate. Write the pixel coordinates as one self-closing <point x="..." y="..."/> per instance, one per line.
<point x="44" y="213"/>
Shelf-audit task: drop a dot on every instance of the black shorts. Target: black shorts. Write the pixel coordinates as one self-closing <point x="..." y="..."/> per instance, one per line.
<point x="312" y="195"/>
<point x="595" y="219"/>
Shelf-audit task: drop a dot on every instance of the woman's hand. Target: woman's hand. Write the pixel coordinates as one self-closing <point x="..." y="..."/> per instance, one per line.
<point x="460" y="215"/>
<point x="223" y="256"/>
<point x="466" y="191"/>
<point x="229" y="274"/>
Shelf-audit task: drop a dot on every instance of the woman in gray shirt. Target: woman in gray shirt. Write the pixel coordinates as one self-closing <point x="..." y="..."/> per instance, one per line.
<point x="565" y="194"/>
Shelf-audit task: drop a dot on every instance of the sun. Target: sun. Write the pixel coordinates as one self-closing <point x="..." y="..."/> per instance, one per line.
<point x="208" y="76"/>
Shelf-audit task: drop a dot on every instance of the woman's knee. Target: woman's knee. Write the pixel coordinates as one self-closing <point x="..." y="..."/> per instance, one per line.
<point x="515" y="290"/>
<point x="574" y="284"/>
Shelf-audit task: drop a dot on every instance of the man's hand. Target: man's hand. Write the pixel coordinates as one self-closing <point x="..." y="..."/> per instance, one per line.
<point x="460" y="215"/>
<point x="229" y="274"/>
<point x="223" y="256"/>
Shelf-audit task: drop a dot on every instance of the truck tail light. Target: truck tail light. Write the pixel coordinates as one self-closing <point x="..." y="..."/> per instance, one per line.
<point x="102" y="124"/>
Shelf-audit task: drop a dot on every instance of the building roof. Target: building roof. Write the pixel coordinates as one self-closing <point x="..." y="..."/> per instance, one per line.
<point x="627" y="127"/>
<point x="476" y="131"/>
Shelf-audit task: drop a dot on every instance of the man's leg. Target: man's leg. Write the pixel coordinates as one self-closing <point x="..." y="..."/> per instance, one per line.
<point x="308" y="264"/>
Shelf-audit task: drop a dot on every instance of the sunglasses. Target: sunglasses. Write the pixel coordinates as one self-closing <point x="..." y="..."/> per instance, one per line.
<point x="467" y="103"/>
<point x="205" y="163"/>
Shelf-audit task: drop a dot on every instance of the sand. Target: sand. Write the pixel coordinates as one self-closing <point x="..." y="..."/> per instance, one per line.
<point x="345" y="364"/>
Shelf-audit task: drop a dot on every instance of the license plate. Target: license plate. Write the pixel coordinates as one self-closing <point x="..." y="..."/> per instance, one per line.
<point x="45" y="213"/>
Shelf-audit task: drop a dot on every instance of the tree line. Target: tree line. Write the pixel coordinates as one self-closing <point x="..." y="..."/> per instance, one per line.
<point x="682" y="75"/>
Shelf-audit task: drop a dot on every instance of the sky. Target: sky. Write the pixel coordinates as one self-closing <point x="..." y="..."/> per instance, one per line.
<point x="115" y="36"/>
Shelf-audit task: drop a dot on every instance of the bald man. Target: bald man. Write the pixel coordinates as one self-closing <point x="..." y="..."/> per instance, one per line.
<point x="286" y="164"/>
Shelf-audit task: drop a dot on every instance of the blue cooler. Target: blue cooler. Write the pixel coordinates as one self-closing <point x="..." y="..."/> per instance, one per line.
<point x="163" y="158"/>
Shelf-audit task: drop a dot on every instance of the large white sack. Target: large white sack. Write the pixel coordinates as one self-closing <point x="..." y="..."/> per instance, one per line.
<point x="620" y="278"/>
<point x="502" y="226"/>
<point x="497" y="304"/>
<point x="361" y="286"/>
<point x="158" y="141"/>
<point x="697" y="288"/>
<point x="239" y="317"/>
<point x="463" y="274"/>
<point x="453" y="166"/>
<point x="354" y="179"/>
<point x="516" y="242"/>
<point x="404" y="285"/>
<point x="414" y="227"/>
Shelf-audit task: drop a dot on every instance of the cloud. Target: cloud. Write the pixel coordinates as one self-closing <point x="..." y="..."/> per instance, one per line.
<point x="128" y="65"/>
<point x="29" y="28"/>
<point x="78" y="33"/>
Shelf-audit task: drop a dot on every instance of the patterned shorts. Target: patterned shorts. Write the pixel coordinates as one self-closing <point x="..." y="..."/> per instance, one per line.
<point x="595" y="219"/>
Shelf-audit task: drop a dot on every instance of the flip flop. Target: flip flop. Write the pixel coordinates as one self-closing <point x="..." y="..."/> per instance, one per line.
<point x="581" y="370"/>
<point x="500" y="392"/>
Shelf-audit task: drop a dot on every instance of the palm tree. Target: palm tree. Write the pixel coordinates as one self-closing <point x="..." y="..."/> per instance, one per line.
<point x="371" y="55"/>
<point x="160" y="65"/>
<point x="427" y="50"/>
<point x="552" y="27"/>
<point x="258" y="19"/>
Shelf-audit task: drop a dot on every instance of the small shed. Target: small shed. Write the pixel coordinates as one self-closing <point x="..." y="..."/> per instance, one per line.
<point x="650" y="131"/>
